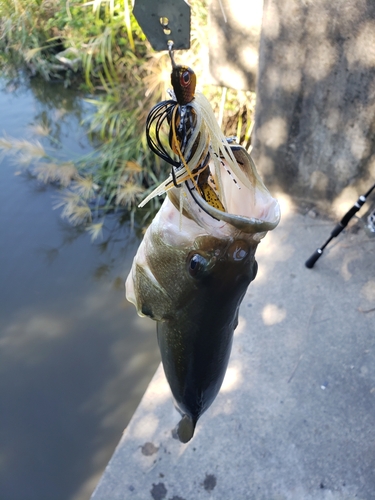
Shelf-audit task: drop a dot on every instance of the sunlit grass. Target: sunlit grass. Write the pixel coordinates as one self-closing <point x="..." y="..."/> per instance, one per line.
<point x="5" y="144"/>
<point x="22" y="160"/>
<point x="95" y="230"/>
<point x="12" y="145"/>
<point x="66" y="173"/>
<point x="85" y="187"/>
<point x="32" y="154"/>
<point x="133" y="167"/>
<point x="74" y="209"/>
<point x="128" y="194"/>
<point x="46" y="172"/>
<point x="40" y="129"/>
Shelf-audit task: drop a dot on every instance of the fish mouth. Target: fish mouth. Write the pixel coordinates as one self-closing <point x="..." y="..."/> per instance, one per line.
<point x="248" y="205"/>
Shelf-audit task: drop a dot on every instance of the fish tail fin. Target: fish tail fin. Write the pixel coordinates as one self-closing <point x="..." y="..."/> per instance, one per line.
<point x="186" y="428"/>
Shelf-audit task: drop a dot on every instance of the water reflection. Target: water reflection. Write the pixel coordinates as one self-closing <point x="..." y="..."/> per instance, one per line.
<point x="74" y="358"/>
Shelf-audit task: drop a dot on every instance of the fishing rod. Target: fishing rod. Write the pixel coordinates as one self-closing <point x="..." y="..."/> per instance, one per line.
<point x="339" y="227"/>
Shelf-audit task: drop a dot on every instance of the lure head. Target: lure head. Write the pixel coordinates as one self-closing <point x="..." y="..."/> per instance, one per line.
<point x="183" y="80"/>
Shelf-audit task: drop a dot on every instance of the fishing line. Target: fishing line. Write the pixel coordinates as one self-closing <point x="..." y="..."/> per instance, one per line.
<point x="223" y="11"/>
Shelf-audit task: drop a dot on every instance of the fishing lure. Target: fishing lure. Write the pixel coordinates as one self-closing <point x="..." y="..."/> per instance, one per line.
<point x="194" y="139"/>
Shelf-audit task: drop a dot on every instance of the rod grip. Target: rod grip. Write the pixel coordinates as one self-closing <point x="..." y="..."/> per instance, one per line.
<point x="315" y="256"/>
<point x="338" y="228"/>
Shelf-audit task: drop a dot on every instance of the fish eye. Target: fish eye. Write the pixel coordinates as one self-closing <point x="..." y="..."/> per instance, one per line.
<point x="196" y="264"/>
<point x="185" y="78"/>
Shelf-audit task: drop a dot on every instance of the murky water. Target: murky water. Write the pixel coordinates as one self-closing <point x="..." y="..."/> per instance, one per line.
<point x="74" y="357"/>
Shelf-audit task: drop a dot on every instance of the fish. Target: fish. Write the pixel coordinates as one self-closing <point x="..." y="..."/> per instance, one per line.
<point x="190" y="274"/>
<point x="197" y="257"/>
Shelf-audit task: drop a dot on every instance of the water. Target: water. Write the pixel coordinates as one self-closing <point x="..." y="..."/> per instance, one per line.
<point x="74" y="357"/>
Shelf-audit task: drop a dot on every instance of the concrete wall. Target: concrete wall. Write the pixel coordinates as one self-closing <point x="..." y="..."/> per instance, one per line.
<point x="234" y="42"/>
<point x="315" y="115"/>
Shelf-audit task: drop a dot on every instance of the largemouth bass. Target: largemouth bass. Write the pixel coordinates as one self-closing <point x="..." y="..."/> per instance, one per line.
<point x="192" y="270"/>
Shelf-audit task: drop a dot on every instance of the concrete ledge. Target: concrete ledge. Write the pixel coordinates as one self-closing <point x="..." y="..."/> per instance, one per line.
<point x="295" y="419"/>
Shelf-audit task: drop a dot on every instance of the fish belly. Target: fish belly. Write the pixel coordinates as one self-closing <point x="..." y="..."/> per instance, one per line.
<point x="195" y="366"/>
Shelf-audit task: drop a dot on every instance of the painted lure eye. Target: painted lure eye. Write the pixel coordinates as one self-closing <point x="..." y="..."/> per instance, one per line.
<point x="185" y="78"/>
<point x="196" y="265"/>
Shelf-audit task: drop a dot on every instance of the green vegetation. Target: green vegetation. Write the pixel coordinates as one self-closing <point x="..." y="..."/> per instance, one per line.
<point x="99" y="46"/>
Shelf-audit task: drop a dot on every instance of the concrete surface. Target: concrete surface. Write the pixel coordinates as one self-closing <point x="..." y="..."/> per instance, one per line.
<point x="295" y="419"/>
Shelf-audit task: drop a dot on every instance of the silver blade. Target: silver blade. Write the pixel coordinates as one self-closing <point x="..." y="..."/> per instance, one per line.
<point x="163" y="21"/>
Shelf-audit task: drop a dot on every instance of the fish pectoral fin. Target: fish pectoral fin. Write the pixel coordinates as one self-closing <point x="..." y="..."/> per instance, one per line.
<point x="185" y="429"/>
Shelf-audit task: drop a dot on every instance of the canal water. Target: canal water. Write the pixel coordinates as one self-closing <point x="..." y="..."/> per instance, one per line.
<point x="75" y="359"/>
